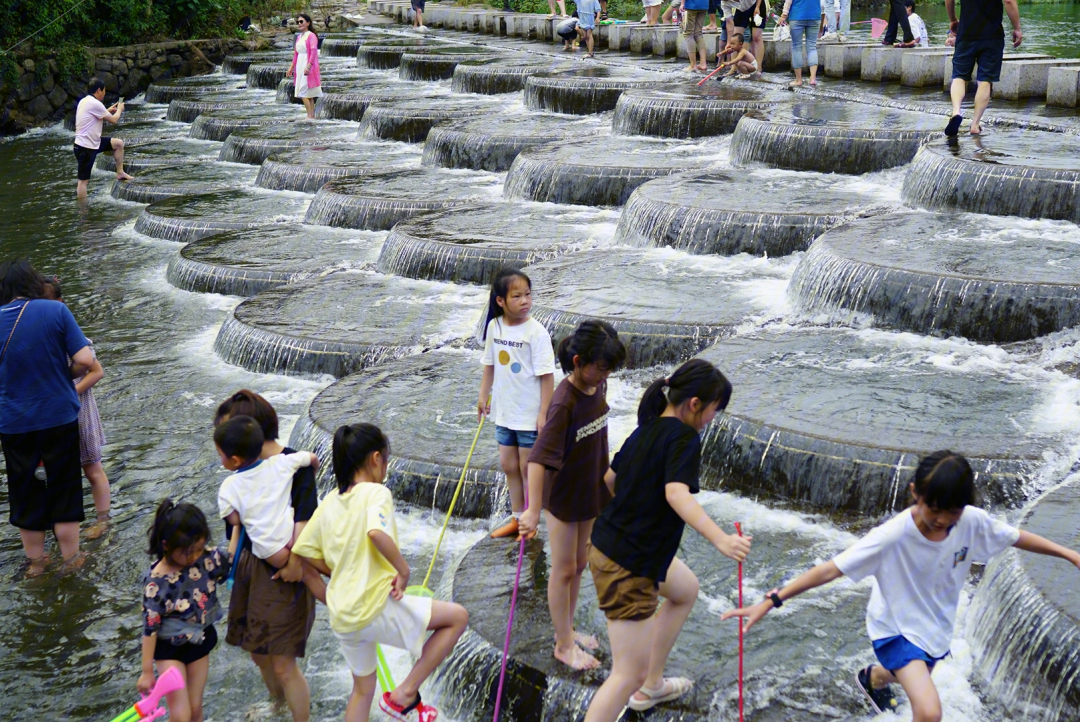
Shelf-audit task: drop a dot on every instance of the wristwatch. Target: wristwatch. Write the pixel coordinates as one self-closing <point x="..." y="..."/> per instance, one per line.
<point x="775" y="600"/>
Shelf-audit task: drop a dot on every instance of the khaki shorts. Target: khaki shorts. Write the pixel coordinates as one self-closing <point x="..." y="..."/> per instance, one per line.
<point x="622" y="594"/>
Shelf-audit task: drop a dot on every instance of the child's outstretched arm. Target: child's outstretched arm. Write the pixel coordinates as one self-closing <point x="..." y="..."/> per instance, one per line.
<point x="483" y="406"/>
<point x="95" y="374"/>
<point x="1040" y="545"/>
<point x="816" y="577"/>
<point x="389" y="549"/>
<point x="682" y="501"/>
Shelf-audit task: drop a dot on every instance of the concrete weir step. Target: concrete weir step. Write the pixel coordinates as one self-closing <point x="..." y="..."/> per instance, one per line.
<point x="882" y="62"/>
<point x="844" y="60"/>
<point x="1063" y="86"/>
<point x="922" y="70"/>
<point x="1028" y="78"/>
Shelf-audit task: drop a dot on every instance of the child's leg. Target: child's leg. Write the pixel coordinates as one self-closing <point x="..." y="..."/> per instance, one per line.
<point x="295" y="686"/>
<point x="679" y="591"/>
<point x="914" y="677"/>
<point x="631" y="643"/>
<point x="448" y="621"/>
<point x="99" y="487"/>
<point x="510" y="460"/>
<point x="197" y="672"/>
<point x="180" y="700"/>
<point x="569" y="558"/>
<point x="363" y="694"/>
<point x="589" y="43"/>
<point x="262" y="661"/>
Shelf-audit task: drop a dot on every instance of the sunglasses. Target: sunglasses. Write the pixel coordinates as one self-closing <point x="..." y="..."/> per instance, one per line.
<point x="301" y="20"/>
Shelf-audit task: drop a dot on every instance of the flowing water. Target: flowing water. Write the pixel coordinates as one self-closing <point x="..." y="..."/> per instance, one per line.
<point x="69" y="645"/>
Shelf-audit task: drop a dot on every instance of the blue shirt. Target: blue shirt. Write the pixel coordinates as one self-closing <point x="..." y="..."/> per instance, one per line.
<point x="588" y="7"/>
<point x="36" y="388"/>
<point x="805" y="10"/>
<point x="696" y="4"/>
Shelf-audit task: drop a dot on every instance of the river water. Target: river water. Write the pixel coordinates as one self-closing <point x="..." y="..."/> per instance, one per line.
<point x="69" y="644"/>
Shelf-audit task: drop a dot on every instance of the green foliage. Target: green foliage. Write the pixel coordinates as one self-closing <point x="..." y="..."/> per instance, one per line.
<point x="105" y="23"/>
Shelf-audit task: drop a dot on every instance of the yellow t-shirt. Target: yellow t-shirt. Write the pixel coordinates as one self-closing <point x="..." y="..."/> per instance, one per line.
<point x="338" y="534"/>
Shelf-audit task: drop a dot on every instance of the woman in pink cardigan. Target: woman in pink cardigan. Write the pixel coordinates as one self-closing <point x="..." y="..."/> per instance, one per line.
<point x="305" y="65"/>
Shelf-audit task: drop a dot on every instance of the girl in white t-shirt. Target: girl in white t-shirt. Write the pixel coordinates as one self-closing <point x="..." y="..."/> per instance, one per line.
<point x="519" y="363"/>
<point x="920" y="561"/>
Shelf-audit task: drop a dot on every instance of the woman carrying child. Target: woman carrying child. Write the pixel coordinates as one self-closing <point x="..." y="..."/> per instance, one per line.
<point x="566" y="475"/>
<point x="635" y="540"/>
<point x="180" y="605"/>
<point x="91" y="435"/>
<point x="352" y="538"/>
<point x="520" y="366"/>
<point x="270" y="618"/>
<point x="920" y="561"/>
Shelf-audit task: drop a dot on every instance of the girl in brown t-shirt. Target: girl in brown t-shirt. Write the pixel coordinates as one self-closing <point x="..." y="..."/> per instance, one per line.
<point x="566" y="475"/>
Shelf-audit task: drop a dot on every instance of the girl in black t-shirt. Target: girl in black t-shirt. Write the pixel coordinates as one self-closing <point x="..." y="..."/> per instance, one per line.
<point x="634" y="541"/>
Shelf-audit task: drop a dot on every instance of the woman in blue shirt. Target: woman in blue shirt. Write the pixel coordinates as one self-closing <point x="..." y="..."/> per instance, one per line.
<point x="43" y="349"/>
<point x="805" y="16"/>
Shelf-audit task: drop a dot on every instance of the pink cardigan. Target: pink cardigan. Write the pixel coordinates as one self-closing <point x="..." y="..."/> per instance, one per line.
<point x="312" y="43"/>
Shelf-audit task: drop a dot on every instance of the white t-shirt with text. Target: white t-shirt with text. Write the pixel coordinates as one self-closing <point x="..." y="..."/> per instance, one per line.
<point x="917" y="582"/>
<point x="262" y="496"/>
<point x="521" y="354"/>
<point x="88" y="121"/>
<point x="918" y="29"/>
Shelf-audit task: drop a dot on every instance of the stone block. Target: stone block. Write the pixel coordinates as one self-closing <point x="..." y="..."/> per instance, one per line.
<point x="665" y="40"/>
<point x="843" y="60"/>
<point x="111" y="83"/>
<point x="641" y="38"/>
<point x="39" y="107"/>
<point x="103" y="64"/>
<point x="1063" y="87"/>
<point x="28" y="87"/>
<point x="545" y="29"/>
<point x="922" y="70"/>
<point x="157" y="71"/>
<point x="619" y="36"/>
<point x="48" y="83"/>
<point x="57" y="97"/>
<point x="777" y="55"/>
<point x="1027" y="78"/>
<point x="28" y="65"/>
<point x="600" y="35"/>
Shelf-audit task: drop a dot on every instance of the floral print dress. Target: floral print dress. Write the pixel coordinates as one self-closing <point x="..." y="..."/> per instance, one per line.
<point x="179" y="606"/>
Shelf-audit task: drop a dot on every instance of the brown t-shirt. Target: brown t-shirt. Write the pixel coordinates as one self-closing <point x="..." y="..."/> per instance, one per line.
<point x="573" y="445"/>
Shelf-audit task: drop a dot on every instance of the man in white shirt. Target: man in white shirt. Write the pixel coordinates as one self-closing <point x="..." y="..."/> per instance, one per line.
<point x="918" y="27"/>
<point x="89" y="117"/>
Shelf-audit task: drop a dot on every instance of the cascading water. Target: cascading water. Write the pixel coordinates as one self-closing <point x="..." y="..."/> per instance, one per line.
<point x="189" y="218"/>
<point x="492" y="144"/>
<point x="693" y="112"/>
<point x="308" y="170"/>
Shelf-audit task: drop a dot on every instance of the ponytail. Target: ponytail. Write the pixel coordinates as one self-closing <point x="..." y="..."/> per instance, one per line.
<point x="694" y="379"/>
<point x="500" y="287"/>
<point x="176" y="526"/>
<point x="592" y="342"/>
<point x="352" y="447"/>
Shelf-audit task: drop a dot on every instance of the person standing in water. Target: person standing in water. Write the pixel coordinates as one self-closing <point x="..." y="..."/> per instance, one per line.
<point x="305" y="65"/>
<point x="920" y="562"/>
<point x="980" y="40"/>
<point x="90" y="116"/>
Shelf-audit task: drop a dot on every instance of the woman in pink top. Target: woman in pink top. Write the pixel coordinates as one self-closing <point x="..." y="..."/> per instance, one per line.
<point x="305" y="65"/>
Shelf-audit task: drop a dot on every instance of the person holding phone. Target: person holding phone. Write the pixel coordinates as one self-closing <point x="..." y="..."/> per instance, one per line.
<point x="90" y="116"/>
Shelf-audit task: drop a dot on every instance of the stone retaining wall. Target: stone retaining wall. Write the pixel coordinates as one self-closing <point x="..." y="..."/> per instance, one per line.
<point x="41" y="96"/>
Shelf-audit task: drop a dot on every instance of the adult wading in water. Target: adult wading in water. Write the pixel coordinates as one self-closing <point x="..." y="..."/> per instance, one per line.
<point x="90" y="115"/>
<point x="305" y="65"/>
<point x="39" y="412"/>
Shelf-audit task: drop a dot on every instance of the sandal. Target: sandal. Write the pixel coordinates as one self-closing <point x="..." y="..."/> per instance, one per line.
<point x="672" y="688"/>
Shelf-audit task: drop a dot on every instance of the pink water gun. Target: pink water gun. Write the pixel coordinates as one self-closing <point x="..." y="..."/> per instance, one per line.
<point x="149" y="707"/>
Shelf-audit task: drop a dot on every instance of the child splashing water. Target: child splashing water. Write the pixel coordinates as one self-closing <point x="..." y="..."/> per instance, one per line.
<point x="920" y="561"/>
<point x="91" y="435"/>
<point x="634" y="542"/>
<point x="520" y="365"/>
<point x="352" y="538"/>
<point x="566" y="475"/>
<point x="180" y="605"/>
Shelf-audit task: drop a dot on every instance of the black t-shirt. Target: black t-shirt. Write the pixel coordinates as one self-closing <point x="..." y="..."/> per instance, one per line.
<point x="980" y="20"/>
<point x="639" y="530"/>
<point x="304" y="498"/>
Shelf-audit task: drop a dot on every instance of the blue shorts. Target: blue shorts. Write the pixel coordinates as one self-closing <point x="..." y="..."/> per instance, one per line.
<point x="895" y="653"/>
<point x="510" y="437"/>
<point x="986" y="53"/>
<point x="586" y="21"/>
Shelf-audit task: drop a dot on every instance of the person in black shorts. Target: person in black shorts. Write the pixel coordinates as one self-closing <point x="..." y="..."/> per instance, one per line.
<point x="418" y="15"/>
<point x="980" y="40"/>
<point x="752" y="14"/>
<point x="90" y="115"/>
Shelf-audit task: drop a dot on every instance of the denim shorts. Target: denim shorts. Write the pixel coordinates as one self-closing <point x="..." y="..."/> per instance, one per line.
<point x="986" y="53"/>
<point x="510" y="437"/>
<point x="897" y="652"/>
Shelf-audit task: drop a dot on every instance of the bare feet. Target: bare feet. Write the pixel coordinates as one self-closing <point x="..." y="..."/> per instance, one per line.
<point x="73" y="563"/>
<point x="37" y="566"/>
<point x="586" y="641"/>
<point x="703" y="68"/>
<point x="577" y="658"/>
<point x="122" y="176"/>
<point x="975" y="129"/>
<point x="98" y="528"/>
